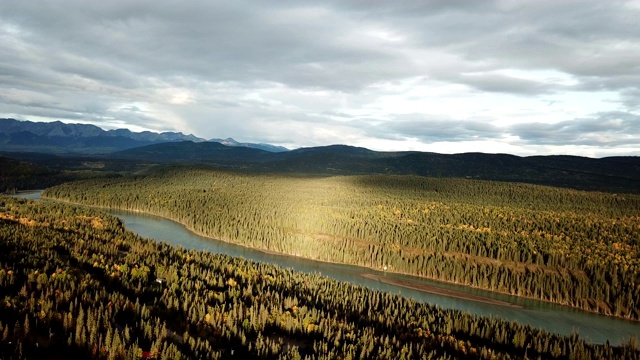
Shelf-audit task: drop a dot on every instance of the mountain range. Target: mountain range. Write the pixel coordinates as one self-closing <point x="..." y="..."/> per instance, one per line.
<point x="261" y="146"/>
<point x="60" y="138"/>
<point x="91" y="148"/>
<point x="615" y="174"/>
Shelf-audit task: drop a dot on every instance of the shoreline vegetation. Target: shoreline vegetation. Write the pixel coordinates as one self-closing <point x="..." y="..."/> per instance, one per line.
<point x="402" y="283"/>
<point x="76" y="284"/>
<point x="561" y="246"/>
<point x="440" y="291"/>
<point x="407" y="284"/>
<point x="432" y="289"/>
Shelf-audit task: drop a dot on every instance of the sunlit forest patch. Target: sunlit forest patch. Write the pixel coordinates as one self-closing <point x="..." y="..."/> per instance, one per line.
<point x="70" y="289"/>
<point x="566" y="246"/>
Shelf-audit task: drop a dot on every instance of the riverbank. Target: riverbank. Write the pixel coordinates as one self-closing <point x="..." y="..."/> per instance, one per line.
<point x="562" y="320"/>
<point x="440" y="291"/>
<point x="433" y="289"/>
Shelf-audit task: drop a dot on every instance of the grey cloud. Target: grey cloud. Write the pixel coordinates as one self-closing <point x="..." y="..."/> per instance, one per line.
<point x="625" y="84"/>
<point x="220" y="41"/>
<point x="631" y="98"/>
<point x="431" y="128"/>
<point x="505" y="84"/>
<point x="92" y="60"/>
<point x="94" y="70"/>
<point x="313" y="45"/>
<point x="604" y="129"/>
<point x="596" y="42"/>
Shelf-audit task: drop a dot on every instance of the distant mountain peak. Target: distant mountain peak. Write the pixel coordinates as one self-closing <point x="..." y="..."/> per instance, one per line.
<point x="228" y="141"/>
<point x="59" y="137"/>
<point x="266" y="147"/>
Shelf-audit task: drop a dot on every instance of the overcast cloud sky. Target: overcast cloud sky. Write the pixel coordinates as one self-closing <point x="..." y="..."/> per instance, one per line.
<point x="520" y="77"/>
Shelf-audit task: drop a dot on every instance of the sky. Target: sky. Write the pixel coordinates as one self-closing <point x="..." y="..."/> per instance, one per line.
<point x="521" y="77"/>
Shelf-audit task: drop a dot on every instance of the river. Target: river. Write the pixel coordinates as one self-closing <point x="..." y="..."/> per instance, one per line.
<point x="553" y="318"/>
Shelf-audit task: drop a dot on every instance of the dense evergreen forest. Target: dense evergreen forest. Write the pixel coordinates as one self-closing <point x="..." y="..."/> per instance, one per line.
<point x="19" y="175"/>
<point x="576" y="248"/>
<point x="76" y="284"/>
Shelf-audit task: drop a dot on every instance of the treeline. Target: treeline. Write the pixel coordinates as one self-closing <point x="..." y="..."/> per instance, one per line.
<point x="76" y="284"/>
<point x="569" y="247"/>
<point x="16" y="175"/>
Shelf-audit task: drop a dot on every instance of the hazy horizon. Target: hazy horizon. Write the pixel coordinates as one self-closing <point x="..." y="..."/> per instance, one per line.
<point x="334" y="144"/>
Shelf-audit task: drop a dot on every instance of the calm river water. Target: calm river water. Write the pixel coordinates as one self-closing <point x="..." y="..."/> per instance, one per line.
<point x="553" y="318"/>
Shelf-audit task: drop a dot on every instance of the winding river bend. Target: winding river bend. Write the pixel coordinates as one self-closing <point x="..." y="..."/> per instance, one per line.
<point x="551" y="317"/>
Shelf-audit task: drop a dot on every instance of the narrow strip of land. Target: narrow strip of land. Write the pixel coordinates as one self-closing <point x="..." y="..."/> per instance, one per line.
<point x="440" y="291"/>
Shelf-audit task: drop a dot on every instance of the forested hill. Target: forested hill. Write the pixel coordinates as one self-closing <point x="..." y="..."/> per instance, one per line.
<point x="18" y="175"/>
<point x="570" y="247"/>
<point x="76" y="285"/>
<point x="613" y="174"/>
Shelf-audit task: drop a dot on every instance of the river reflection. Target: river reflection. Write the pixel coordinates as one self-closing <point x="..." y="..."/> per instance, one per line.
<point x="553" y="318"/>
